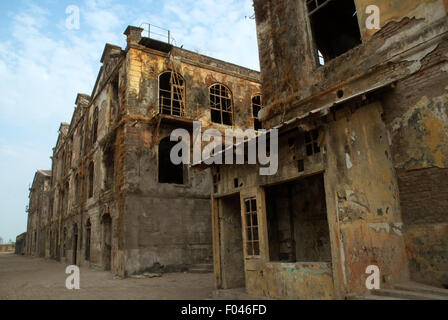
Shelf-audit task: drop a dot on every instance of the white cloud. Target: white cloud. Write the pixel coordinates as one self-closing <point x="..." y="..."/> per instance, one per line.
<point x="219" y="29"/>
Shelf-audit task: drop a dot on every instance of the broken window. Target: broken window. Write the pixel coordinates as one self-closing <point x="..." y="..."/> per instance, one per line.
<point x="221" y="105"/>
<point x="256" y="107"/>
<point x="298" y="228"/>
<point x="171" y="94"/>
<point x="311" y="142"/>
<point x="88" y="237"/>
<point x="91" y="179"/>
<point x="335" y="27"/>
<point x="95" y="126"/>
<point x="251" y="219"/>
<point x="169" y="172"/>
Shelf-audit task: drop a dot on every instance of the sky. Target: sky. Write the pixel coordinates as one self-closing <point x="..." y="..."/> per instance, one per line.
<point x="44" y="65"/>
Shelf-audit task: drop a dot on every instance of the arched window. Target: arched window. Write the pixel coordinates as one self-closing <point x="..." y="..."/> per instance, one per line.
<point x="221" y="105"/>
<point x="95" y="126"/>
<point x="91" y="179"/>
<point x="257" y="105"/>
<point x="169" y="172"/>
<point x="88" y="237"/>
<point x="171" y="94"/>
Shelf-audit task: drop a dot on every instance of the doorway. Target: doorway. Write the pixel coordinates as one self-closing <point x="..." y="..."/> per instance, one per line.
<point x="231" y="243"/>
<point x="75" y="244"/>
<point x="107" y="242"/>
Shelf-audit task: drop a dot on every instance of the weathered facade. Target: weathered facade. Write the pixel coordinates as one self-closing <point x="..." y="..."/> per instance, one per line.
<point x="39" y="210"/>
<point x="20" y="244"/>
<point x="118" y="201"/>
<point x="363" y="158"/>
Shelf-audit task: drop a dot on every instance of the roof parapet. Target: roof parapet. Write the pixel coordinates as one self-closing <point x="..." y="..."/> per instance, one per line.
<point x="83" y="100"/>
<point x="134" y="35"/>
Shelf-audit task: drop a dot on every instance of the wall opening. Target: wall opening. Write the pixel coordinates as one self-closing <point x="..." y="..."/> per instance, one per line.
<point x="256" y="107"/>
<point x="169" y="172"/>
<point x="77" y="189"/>
<point x="335" y="27"/>
<point x="107" y="242"/>
<point x="88" y="238"/>
<point x="51" y="244"/>
<point x="109" y="166"/>
<point x="114" y="105"/>
<point x="91" y="178"/>
<point x="298" y="229"/>
<point x="221" y="105"/>
<point x="171" y="94"/>
<point x="231" y="243"/>
<point x="75" y="244"/>
<point x="95" y="126"/>
<point x="64" y="243"/>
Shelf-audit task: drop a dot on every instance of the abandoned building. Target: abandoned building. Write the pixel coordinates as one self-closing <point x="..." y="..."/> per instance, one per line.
<point x="363" y="154"/>
<point x="362" y="176"/>
<point x="113" y="200"/>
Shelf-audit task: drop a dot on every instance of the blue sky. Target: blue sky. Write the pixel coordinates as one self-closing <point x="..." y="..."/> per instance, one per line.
<point x="43" y="66"/>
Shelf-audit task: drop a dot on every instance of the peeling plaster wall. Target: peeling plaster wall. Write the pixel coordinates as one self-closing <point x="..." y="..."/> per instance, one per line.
<point x="429" y="10"/>
<point x="285" y="36"/>
<point x="410" y="50"/>
<point x="363" y="201"/>
<point x="417" y="119"/>
<point x="363" y="208"/>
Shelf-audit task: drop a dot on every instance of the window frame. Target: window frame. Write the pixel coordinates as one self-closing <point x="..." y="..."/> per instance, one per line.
<point x="316" y="54"/>
<point x="172" y="92"/>
<point x="231" y="112"/>
<point x="261" y="107"/>
<point x="251" y="250"/>
<point x="311" y="139"/>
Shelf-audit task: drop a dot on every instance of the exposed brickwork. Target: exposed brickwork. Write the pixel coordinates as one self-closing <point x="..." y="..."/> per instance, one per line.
<point x="424" y="196"/>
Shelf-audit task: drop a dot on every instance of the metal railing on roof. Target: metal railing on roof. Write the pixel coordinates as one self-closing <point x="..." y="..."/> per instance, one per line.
<point x="156" y="33"/>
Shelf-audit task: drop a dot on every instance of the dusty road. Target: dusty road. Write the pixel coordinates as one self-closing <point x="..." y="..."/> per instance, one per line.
<point x="27" y="278"/>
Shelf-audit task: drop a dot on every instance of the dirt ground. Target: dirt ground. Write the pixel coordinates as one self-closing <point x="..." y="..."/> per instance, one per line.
<point x="28" y="278"/>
